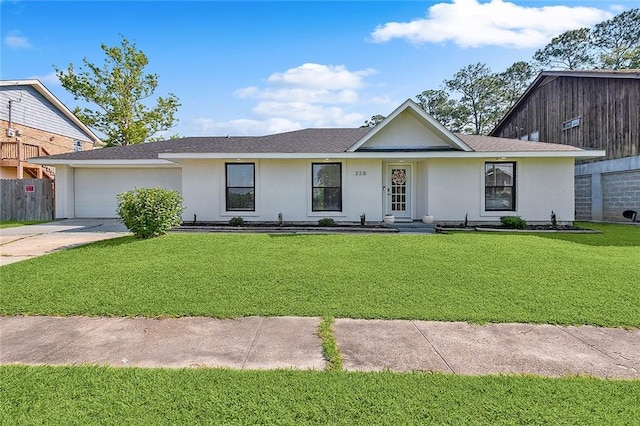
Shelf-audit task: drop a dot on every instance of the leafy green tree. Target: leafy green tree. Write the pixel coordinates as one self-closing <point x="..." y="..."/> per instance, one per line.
<point x="514" y="81"/>
<point x="120" y="90"/>
<point x="570" y="50"/>
<point x="375" y="120"/>
<point x="634" y="58"/>
<point x="617" y="41"/>
<point x="440" y="106"/>
<point x="479" y="91"/>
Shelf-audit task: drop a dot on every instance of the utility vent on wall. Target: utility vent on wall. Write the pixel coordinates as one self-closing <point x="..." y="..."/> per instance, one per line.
<point x="14" y="132"/>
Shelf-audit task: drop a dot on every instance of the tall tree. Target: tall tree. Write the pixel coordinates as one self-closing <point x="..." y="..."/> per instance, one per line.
<point x="375" y="120"/>
<point x="120" y="90"/>
<point x="479" y="90"/>
<point x="440" y="106"/>
<point x="514" y="81"/>
<point x="570" y="50"/>
<point x="617" y="40"/>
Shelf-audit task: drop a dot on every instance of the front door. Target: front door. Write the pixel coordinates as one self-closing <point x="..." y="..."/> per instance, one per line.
<point x="398" y="190"/>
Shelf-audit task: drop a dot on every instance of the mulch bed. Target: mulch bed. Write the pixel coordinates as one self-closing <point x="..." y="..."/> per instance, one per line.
<point x="528" y="228"/>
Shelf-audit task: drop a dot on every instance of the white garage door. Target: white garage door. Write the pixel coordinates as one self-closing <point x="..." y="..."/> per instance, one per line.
<point x="96" y="190"/>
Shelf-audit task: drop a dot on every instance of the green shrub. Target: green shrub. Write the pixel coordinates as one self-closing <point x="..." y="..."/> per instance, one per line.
<point x="236" y="221"/>
<point x="326" y="221"/>
<point x="513" y="222"/>
<point x="150" y="212"/>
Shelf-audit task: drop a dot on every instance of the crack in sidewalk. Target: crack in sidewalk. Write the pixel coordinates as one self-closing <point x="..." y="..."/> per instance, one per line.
<point x="433" y="347"/>
<point x="253" y="343"/>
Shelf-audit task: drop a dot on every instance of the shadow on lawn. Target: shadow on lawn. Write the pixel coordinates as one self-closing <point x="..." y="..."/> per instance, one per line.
<point x="612" y="235"/>
<point x="113" y="242"/>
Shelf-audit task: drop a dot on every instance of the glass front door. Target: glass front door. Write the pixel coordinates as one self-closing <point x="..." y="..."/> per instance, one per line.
<point x="398" y="190"/>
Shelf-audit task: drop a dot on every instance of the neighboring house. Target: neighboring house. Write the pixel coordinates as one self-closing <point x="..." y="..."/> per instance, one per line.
<point x="34" y="124"/>
<point x="409" y="166"/>
<point x="594" y="110"/>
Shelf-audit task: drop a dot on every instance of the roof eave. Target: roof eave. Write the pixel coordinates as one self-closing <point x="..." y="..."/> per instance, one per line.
<point x="241" y="156"/>
<point x="102" y="162"/>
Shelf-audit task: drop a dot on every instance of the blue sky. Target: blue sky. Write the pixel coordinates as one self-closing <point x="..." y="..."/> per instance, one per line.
<point x="251" y="68"/>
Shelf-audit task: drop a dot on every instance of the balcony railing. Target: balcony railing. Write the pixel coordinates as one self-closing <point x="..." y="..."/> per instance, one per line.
<point x="21" y="151"/>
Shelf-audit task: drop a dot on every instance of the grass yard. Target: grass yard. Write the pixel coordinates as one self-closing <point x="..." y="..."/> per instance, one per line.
<point x="476" y="277"/>
<point x="16" y="223"/>
<point x="90" y="395"/>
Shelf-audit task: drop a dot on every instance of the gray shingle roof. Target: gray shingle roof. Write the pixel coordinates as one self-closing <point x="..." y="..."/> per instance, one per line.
<point x="300" y="141"/>
<point x="481" y="143"/>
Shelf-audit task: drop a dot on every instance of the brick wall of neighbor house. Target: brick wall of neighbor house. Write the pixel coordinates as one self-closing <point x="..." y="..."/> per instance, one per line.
<point x="583" y="197"/>
<point x="52" y="143"/>
<point x="621" y="191"/>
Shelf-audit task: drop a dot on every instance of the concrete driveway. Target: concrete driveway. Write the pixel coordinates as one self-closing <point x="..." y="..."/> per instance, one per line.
<point x="25" y="242"/>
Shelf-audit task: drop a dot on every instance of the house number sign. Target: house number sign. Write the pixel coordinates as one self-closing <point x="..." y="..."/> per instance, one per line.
<point x="29" y="188"/>
<point x="361" y="172"/>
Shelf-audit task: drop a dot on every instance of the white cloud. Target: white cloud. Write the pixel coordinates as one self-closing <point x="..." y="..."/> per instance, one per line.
<point x="318" y="76"/>
<point x="299" y="94"/>
<point x="13" y="40"/>
<point x="469" y="23"/>
<point x="310" y="95"/>
<point x="245" y="127"/>
<point x="48" y="79"/>
<point x="313" y="115"/>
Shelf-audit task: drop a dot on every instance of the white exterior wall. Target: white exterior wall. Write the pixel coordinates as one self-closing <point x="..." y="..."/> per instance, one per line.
<point x="546" y="185"/>
<point x="65" y="192"/>
<point x="282" y="186"/>
<point x="96" y="189"/>
<point x="448" y="189"/>
<point x="453" y="189"/>
<point x="421" y="189"/>
<point x="364" y="192"/>
<point x="456" y="188"/>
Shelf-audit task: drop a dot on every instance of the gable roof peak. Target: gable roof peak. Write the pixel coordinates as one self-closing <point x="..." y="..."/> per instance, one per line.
<point x="424" y="117"/>
<point x="42" y="90"/>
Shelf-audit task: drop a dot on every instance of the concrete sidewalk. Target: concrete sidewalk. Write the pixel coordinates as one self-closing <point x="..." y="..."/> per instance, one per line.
<point x="292" y="342"/>
<point x="25" y="242"/>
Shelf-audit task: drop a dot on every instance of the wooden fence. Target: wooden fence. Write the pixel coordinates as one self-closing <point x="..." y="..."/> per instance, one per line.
<point x="26" y="199"/>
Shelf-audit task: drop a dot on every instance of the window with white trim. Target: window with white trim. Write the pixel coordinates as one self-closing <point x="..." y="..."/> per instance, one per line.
<point x="240" y="191"/>
<point x="326" y="187"/>
<point x="500" y="186"/>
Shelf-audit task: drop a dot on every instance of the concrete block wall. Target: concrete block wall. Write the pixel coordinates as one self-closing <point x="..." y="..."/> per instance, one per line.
<point x="620" y="192"/>
<point x="583" y="197"/>
<point x="607" y="188"/>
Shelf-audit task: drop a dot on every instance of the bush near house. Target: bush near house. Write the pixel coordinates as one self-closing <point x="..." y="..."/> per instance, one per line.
<point x="326" y="221"/>
<point x="513" y="222"/>
<point x="236" y="221"/>
<point x="150" y="212"/>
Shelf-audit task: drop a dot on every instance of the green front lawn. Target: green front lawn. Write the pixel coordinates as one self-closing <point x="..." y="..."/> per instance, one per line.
<point x="477" y="277"/>
<point x="98" y="395"/>
<point x="16" y="223"/>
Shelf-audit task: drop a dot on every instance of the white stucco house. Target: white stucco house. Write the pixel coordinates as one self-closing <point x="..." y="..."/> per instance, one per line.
<point x="409" y="166"/>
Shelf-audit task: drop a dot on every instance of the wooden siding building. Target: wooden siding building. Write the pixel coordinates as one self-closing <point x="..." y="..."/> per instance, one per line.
<point x="34" y="123"/>
<point x="597" y="109"/>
